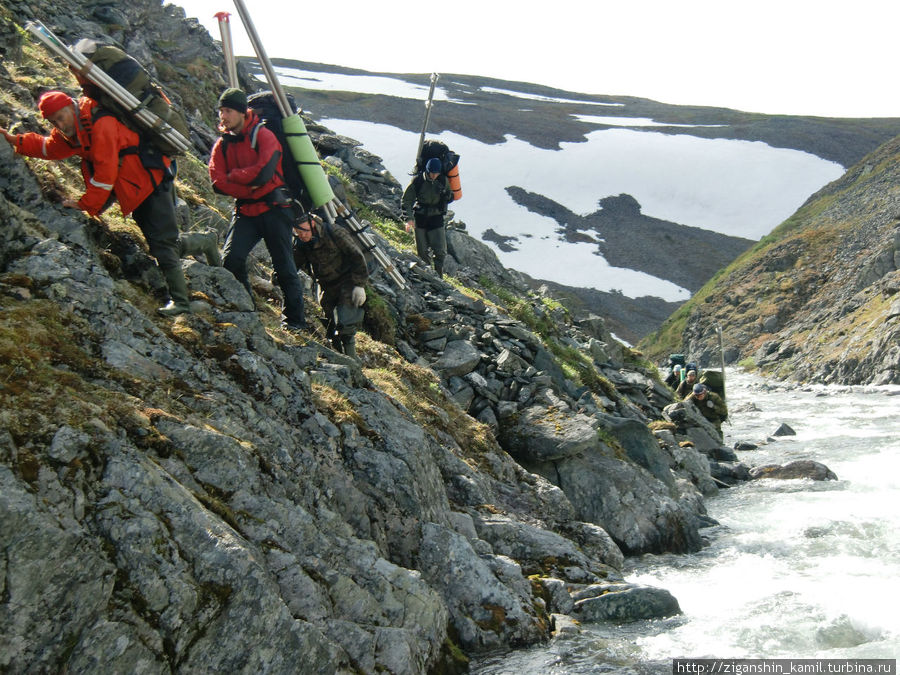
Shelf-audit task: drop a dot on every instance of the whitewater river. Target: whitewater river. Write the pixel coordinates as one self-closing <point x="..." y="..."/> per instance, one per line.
<point x="795" y="570"/>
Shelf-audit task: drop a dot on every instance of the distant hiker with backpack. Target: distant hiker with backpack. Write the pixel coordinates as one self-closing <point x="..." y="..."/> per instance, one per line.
<point x="686" y="386"/>
<point x="113" y="170"/>
<point x="245" y="163"/>
<point x="424" y="204"/>
<point x="673" y="379"/>
<point x="330" y="255"/>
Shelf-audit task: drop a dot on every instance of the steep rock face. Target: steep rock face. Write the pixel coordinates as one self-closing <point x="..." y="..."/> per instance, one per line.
<point x="214" y="493"/>
<point x="817" y="300"/>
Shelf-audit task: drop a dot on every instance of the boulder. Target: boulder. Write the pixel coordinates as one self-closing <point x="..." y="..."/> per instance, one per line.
<point x="459" y="358"/>
<point x="624" y="603"/>
<point x="547" y="433"/>
<point x="803" y="468"/>
<point x="784" y="430"/>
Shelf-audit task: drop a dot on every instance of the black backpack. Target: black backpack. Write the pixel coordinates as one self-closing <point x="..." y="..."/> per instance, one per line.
<point x="132" y="76"/>
<point x="676" y="359"/>
<point x="432" y="148"/>
<point x="264" y="105"/>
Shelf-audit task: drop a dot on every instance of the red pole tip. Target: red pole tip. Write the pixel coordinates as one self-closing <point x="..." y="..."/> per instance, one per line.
<point x="222" y="16"/>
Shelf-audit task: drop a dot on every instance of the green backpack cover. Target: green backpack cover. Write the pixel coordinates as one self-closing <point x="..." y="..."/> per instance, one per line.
<point x="133" y="77"/>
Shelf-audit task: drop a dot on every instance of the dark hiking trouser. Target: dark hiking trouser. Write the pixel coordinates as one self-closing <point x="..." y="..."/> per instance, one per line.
<point x="273" y="227"/>
<point x="430" y="234"/>
<point x="156" y="218"/>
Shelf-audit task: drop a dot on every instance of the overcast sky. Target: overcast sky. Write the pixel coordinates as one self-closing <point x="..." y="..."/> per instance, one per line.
<point x="809" y="57"/>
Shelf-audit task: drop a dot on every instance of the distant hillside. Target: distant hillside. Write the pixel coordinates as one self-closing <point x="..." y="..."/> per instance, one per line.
<point x="481" y="110"/>
<point x="817" y="300"/>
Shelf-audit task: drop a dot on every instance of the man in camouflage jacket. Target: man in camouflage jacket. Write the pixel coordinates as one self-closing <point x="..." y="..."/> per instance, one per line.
<point x="330" y="255"/>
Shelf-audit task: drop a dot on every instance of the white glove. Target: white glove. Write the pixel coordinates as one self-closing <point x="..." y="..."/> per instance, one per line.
<point x="709" y="404"/>
<point x="358" y="296"/>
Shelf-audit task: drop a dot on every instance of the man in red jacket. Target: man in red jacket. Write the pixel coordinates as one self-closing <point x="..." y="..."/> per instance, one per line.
<point x="246" y="163"/>
<point x="112" y="170"/>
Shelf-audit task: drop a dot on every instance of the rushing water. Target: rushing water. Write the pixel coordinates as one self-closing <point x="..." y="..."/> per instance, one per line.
<point x="795" y="569"/>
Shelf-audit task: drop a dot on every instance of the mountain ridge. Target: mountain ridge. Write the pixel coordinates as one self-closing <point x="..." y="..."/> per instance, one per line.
<point x="843" y="140"/>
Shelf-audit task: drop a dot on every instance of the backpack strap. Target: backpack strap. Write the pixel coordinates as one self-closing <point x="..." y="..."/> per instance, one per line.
<point x="254" y="140"/>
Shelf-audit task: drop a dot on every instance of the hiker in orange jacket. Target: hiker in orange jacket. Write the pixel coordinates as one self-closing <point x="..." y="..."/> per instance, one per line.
<point x="112" y="170"/>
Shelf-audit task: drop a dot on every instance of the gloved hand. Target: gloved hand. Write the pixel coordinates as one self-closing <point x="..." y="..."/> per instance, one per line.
<point x="358" y="296"/>
<point x="709" y="404"/>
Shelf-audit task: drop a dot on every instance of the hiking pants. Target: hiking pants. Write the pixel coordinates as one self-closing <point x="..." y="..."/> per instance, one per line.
<point x="156" y="218"/>
<point x="430" y="237"/>
<point x="275" y="228"/>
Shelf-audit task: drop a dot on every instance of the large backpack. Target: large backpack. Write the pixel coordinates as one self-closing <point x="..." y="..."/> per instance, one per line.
<point x="449" y="164"/>
<point x="132" y="76"/>
<point x="676" y="359"/>
<point x="432" y="148"/>
<point x="263" y="103"/>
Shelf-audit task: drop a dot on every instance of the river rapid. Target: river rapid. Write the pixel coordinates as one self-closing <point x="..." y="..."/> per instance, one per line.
<point x="796" y="569"/>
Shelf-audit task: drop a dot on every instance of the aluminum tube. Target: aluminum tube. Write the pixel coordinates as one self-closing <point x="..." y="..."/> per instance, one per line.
<point x="428" y="104"/>
<point x="280" y="98"/>
<point x="227" y="48"/>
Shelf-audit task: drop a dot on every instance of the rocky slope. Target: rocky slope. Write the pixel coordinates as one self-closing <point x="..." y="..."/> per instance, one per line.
<point x="817" y="300"/>
<point x="212" y="494"/>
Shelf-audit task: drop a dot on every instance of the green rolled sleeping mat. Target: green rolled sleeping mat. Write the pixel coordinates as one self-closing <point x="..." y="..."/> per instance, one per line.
<point x="314" y="177"/>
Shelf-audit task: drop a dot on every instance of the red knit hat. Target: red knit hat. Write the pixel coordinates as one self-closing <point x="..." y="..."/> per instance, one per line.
<point x="51" y="102"/>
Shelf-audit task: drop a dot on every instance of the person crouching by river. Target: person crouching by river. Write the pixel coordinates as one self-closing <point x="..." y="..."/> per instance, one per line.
<point x="710" y="405"/>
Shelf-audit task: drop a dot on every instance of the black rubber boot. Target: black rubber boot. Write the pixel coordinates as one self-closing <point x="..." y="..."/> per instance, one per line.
<point x="348" y="346"/>
<point x="179" y="304"/>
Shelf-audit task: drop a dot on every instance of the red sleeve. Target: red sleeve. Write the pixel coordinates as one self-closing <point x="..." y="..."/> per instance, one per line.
<point x="54" y="146"/>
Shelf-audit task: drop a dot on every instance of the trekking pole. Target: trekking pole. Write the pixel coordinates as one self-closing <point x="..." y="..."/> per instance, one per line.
<point x="83" y="66"/>
<point x="227" y="47"/>
<point x="721" y="356"/>
<point x="428" y="104"/>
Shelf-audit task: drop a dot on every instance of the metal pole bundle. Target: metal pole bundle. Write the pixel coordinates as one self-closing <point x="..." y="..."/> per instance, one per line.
<point x="337" y="208"/>
<point x="303" y="152"/>
<point x="227" y="47"/>
<point x="119" y="94"/>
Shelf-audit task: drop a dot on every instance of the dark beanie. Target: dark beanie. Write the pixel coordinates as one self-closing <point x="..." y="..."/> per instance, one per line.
<point x="235" y="99"/>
